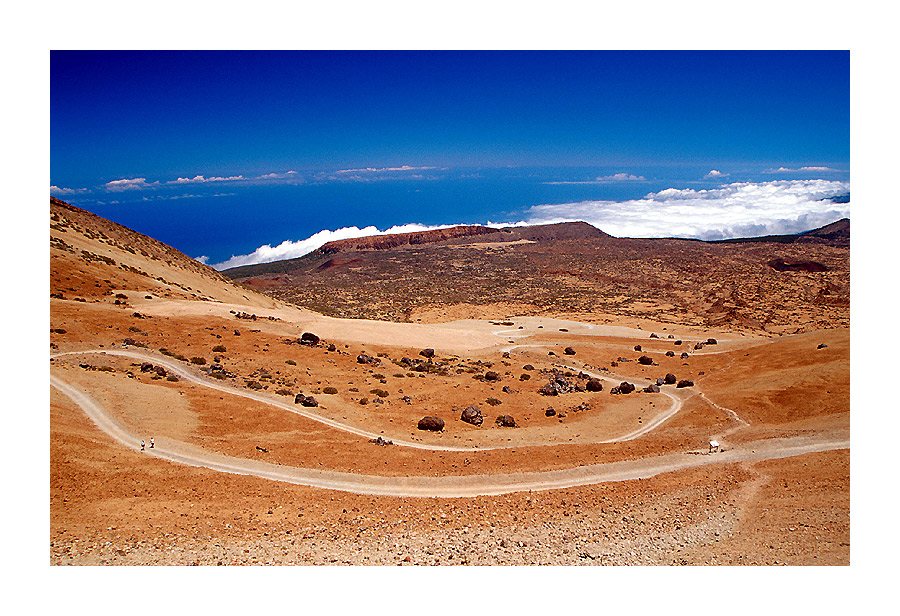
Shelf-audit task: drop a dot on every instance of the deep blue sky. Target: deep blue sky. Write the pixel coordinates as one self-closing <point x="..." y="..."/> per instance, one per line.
<point x="165" y="114"/>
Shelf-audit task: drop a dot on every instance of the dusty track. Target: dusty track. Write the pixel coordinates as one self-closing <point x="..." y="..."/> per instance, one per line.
<point x="448" y="486"/>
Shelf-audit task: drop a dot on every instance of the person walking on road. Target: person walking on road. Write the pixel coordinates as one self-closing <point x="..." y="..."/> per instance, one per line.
<point x="142" y="445"/>
<point x="151" y="442"/>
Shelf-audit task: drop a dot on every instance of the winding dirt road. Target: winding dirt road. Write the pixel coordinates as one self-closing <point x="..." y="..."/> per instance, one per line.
<point x="443" y="487"/>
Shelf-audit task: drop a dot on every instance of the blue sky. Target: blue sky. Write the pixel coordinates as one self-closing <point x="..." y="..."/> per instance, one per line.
<point x="166" y="114"/>
<point x="434" y="137"/>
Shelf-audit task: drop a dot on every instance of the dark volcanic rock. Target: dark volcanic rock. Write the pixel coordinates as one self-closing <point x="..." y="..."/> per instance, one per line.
<point x="644" y="360"/>
<point x="637" y="347"/>
<point x="653" y="388"/>
<point x="548" y="390"/>
<point x="550" y="412"/>
<point x="569" y="351"/>
<point x="625" y="387"/>
<point x="670" y="379"/>
<point x="670" y="353"/>
<point x="435" y="424"/>
<point x="305" y="400"/>
<point x="362" y="358"/>
<point x="427" y="353"/>
<point x="685" y="383"/>
<point x="594" y="385"/>
<point x="506" y="421"/>
<point x="527" y="367"/>
<point x="309" y="339"/>
<point x="472" y="415"/>
<point x="491" y="376"/>
<point x="711" y="341"/>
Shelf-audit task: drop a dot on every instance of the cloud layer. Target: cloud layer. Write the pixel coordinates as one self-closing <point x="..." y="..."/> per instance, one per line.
<point x="742" y="209"/>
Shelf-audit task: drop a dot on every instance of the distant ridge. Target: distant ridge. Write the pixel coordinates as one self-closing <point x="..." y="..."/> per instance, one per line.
<point x="414" y="238"/>
<point x="462" y="234"/>
<point x="837" y="233"/>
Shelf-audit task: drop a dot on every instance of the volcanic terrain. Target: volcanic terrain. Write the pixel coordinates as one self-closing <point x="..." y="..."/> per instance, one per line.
<point x="285" y="408"/>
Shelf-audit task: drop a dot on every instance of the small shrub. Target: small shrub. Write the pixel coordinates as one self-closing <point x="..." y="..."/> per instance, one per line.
<point x="379" y="392"/>
<point x="198" y="361"/>
<point x="290" y="362"/>
<point x="165" y="351"/>
<point x="134" y="329"/>
<point x="493" y="401"/>
<point x="254" y="385"/>
<point x="180" y="357"/>
<point x="284" y="392"/>
<point x="219" y="348"/>
<point x="524" y="377"/>
<point x="363" y="400"/>
<point x="218" y="375"/>
<point x="329" y="390"/>
<point x="378" y="376"/>
<point x="172" y="378"/>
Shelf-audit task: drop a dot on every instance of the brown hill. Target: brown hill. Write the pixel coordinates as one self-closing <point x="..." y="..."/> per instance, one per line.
<point x="396" y="240"/>
<point x="92" y="258"/>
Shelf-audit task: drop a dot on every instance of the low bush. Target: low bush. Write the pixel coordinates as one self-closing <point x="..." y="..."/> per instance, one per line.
<point x="290" y="362"/>
<point x="284" y="392"/>
<point x="329" y="390"/>
<point x="198" y="361"/>
<point x="379" y="392"/>
<point x="219" y="348"/>
<point x="493" y="401"/>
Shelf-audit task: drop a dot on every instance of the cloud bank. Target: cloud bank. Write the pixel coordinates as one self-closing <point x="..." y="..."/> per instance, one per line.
<point x="289" y="249"/>
<point x="742" y="209"/>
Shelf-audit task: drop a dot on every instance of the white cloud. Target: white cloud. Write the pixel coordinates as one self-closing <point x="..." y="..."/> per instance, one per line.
<point x="742" y="209"/>
<point x="715" y="173"/>
<point x="202" y="259"/>
<point x="57" y="191"/>
<point x="800" y="170"/>
<point x="199" y="179"/>
<point x="620" y="177"/>
<point x="383" y="169"/>
<point x="287" y="175"/>
<point x="129" y="184"/>
<point x="289" y="249"/>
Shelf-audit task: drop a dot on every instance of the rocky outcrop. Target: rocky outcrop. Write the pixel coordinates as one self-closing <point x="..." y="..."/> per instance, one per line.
<point x="594" y="385"/>
<point x="685" y="383"/>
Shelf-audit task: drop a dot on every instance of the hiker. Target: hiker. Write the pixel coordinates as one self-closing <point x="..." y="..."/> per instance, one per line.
<point x="142" y="445"/>
<point x="151" y="442"/>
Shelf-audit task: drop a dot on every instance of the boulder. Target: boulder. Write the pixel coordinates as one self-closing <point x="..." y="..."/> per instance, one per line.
<point x="654" y="336"/>
<point x="645" y="361"/>
<point x="491" y="376"/>
<point x="160" y="370"/>
<point x="506" y="389"/>
<point x="670" y="353"/>
<point x="670" y="379"/>
<point x="382" y="442"/>
<point x="711" y="341"/>
<point x="472" y="415"/>
<point x="624" y="388"/>
<point x="594" y="385"/>
<point x="569" y="351"/>
<point x="550" y="412"/>
<point x="527" y="367"/>
<point x="146" y="367"/>
<point x="427" y="353"/>
<point x="684" y="356"/>
<point x="435" y="424"/>
<point x="822" y="346"/>
<point x="653" y="388"/>
<point x="308" y="401"/>
<point x="685" y="383"/>
<point x="362" y="358"/>
<point x="637" y="347"/>
<point x="309" y="339"/>
<point x="506" y="421"/>
<point x="678" y="343"/>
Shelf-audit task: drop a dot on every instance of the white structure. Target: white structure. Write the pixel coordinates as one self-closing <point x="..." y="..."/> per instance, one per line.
<point x="713" y="446"/>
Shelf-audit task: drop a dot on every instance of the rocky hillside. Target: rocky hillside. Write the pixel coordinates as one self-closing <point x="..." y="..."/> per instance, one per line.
<point x="92" y="258"/>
